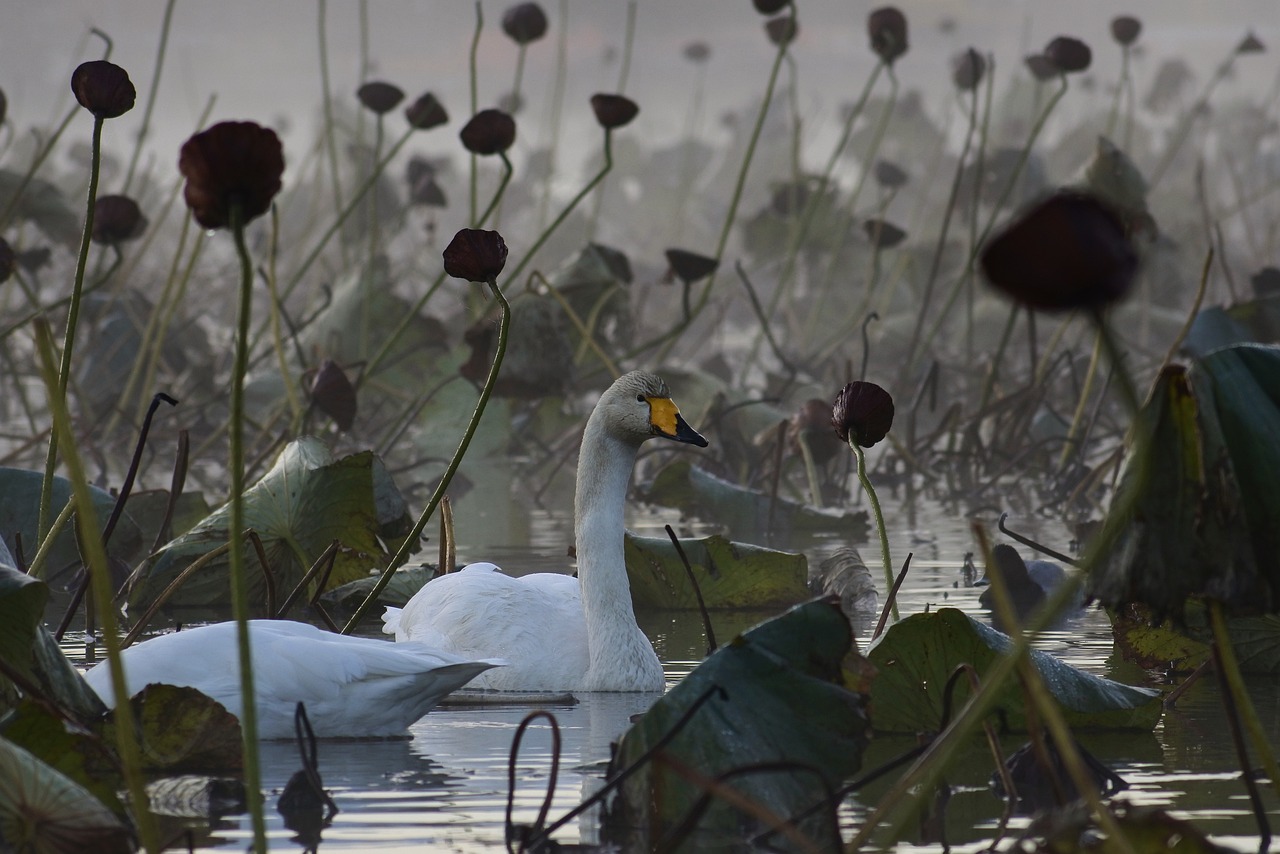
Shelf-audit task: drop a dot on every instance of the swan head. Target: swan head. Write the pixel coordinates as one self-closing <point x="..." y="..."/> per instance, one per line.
<point x="638" y="406"/>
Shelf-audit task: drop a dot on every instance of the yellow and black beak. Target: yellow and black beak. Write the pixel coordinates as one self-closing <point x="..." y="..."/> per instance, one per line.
<point x="665" y="421"/>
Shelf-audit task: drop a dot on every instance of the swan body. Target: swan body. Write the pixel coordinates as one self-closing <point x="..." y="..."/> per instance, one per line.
<point x="353" y="687"/>
<point x="558" y="633"/>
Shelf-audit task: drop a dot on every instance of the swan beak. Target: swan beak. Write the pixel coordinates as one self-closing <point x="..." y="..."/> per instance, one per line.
<point x="665" y="421"/>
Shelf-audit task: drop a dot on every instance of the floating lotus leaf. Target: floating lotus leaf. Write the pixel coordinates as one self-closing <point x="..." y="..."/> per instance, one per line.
<point x="45" y="812"/>
<point x="784" y="704"/>
<point x="182" y="730"/>
<point x="1256" y="640"/>
<point x="746" y="512"/>
<point x="729" y="575"/>
<point x="307" y="500"/>
<point x="916" y="656"/>
<point x="81" y="754"/>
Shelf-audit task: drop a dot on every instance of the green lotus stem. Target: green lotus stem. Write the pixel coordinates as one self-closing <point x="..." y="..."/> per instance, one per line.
<point x="277" y="333"/>
<point x="935" y="265"/>
<point x="1023" y="155"/>
<point x="239" y="588"/>
<point x="628" y="44"/>
<point x="43" y="154"/>
<point x="496" y="201"/>
<point x="475" y="97"/>
<point x="366" y="319"/>
<point x="586" y="332"/>
<point x="515" y="101"/>
<point x="411" y="540"/>
<point x="752" y="141"/>
<point x="879" y="517"/>
<point x="557" y="105"/>
<point x="165" y="25"/>
<point x="573" y="203"/>
<point x="810" y="470"/>
<point x="1235" y="681"/>
<point x="1073" y="432"/>
<point x="36" y="568"/>
<point x="993" y="370"/>
<point x="1121" y="89"/>
<point x="96" y="565"/>
<point x="326" y="93"/>
<point x="73" y="316"/>
<point x="1116" y="356"/>
<point x="1047" y="707"/>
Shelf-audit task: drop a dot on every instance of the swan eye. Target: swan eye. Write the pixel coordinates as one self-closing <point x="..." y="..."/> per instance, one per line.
<point x="640" y="398"/>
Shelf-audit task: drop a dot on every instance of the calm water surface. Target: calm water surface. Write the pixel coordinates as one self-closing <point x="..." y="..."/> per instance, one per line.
<point x="446" y="787"/>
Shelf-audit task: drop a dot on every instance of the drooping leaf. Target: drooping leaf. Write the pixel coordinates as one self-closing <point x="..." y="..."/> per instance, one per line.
<point x="45" y="812"/>
<point x="182" y="730"/>
<point x="28" y="649"/>
<point x="304" y="502"/>
<point x="783" y="705"/>
<point x="744" y="511"/>
<point x="729" y="575"/>
<point x="20" y="511"/>
<point x="1256" y="640"/>
<point x="916" y="656"/>
<point x="78" y="753"/>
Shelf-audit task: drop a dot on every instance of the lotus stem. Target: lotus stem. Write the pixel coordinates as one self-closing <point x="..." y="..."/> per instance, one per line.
<point x="475" y="97"/>
<point x="411" y="540"/>
<point x="879" y="517"/>
<point x="628" y="44"/>
<point x="99" y="575"/>
<point x="239" y="587"/>
<point x="166" y="23"/>
<point x="73" y="316"/>
<point x="1226" y="655"/>
<point x="326" y="94"/>
<point x="1073" y="433"/>
<point x="557" y="106"/>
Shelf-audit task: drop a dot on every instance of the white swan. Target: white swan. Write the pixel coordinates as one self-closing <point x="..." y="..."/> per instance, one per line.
<point x="352" y="687"/>
<point x="558" y="633"/>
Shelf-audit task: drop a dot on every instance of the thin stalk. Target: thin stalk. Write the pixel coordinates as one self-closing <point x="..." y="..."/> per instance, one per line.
<point x="326" y="91"/>
<point x="573" y="203"/>
<point x="277" y="333"/>
<point x="879" y="517"/>
<point x="367" y="307"/>
<point x="1121" y="89"/>
<point x="165" y="25"/>
<point x="475" y="97"/>
<point x="390" y="341"/>
<point x="239" y="588"/>
<point x="1014" y="178"/>
<point x="1184" y="125"/>
<point x="628" y="44"/>
<point x="410" y="541"/>
<point x="99" y="575"/>
<point x="1115" y="355"/>
<point x="993" y="370"/>
<point x="515" y="101"/>
<point x="496" y="201"/>
<point x="36" y="163"/>
<point x="557" y="106"/>
<point x="1077" y="421"/>
<point x="36" y="568"/>
<point x="73" y="316"/>
<point x="935" y="266"/>
<point x="1235" y="681"/>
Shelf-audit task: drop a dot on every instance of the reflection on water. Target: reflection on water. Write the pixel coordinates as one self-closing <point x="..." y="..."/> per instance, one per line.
<point x="446" y="788"/>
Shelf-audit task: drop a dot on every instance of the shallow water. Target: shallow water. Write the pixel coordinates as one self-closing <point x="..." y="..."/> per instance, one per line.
<point x="446" y="787"/>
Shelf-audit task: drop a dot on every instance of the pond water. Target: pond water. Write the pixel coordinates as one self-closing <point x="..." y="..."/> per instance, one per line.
<point x="446" y="787"/>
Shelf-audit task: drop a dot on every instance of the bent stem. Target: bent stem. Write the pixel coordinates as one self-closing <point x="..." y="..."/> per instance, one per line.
<point x="239" y="590"/>
<point x="411" y="540"/>
<point x="875" y="510"/>
<point x="95" y="556"/>
<point x="73" y="316"/>
<point x="1235" y="681"/>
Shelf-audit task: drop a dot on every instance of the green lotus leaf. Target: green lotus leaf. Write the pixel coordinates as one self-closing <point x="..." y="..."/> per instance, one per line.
<point x="917" y="655"/>
<point x="729" y="575"/>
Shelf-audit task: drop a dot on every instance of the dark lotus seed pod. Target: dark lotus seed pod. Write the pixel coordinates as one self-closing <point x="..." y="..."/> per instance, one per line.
<point x="1125" y="29"/>
<point x="1070" y="251"/>
<point x="488" y="132"/>
<point x="1069" y="54"/>
<point x="525" y="23"/>
<point x="116" y="219"/>
<point x="103" y="88"/>
<point x="1251" y="44"/>
<point x="31" y="260"/>
<point x="887" y="27"/>
<point x="770" y="7"/>
<point x="475" y="255"/>
<point x="231" y="163"/>
<point x="1041" y="67"/>
<point x="690" y="267"/>
<point x="884" y="235"/>
<point x="782" y="30"/>
<point x="426" y="113"/>
<point x="697" y="52"/>
<point x="613" y="111"/>
<point x="889" y="174"/>
<point x="862" y="413"/>
<point x="334" y="395"/>
<point x="380" y="97"/>
<point x="967" y="70"/>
